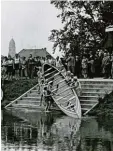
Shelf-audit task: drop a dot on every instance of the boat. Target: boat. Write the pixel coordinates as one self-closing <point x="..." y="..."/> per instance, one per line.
<point x="63" y="95"/>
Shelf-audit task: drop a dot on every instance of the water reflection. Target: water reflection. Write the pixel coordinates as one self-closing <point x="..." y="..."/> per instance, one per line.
<point x="36" y="131"/>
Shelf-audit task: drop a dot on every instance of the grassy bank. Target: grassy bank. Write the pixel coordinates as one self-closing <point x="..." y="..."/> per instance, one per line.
<point x="105" y="107"/>
<point x="13" y="89"/>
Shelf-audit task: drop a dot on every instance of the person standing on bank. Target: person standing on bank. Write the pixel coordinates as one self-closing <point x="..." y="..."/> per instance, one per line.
<point x="58" y="63"/>
<point x="77" y="66"/>
<point x="106" y="65"/>
<point x="70" y="63"/>
<point x="4" y="68"/>
<point x="30" y="66"/>
<point x="10" y="68"/>
<point x="112" y="65"/>
<point x="84" y="66"/>
<point x="17" y="66"/>
<point x="24" y="67"/>
<point x="91" y="68"/>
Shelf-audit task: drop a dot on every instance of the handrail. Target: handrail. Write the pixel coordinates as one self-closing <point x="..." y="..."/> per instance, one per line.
<point x="21" y="96"/>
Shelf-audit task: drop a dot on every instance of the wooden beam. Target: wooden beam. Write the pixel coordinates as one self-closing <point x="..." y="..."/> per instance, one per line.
<point x="70" y="106"/>
<point x="49" y="73"/>
<point x="68" y="100"/>
<point x="53" y="76"/>
<point x="48" y="70"/>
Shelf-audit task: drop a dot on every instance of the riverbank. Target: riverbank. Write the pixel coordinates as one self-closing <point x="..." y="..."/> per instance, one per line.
<point x="104" y="108"/>
<point x="13" y="89"/>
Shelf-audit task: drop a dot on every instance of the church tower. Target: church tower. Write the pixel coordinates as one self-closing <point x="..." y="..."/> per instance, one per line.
<point x="12" y="48"/>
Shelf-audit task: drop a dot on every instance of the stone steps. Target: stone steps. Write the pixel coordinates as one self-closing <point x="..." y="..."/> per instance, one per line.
<point x="31" y="102"/>
<point x="88" y="97"/>
<point x="33" y="95"/>
<point x="93" y="94"/>
<point x="92" y="90"/>
<point x="96" y="86"/>
<point x="88" y="106"/>
<point x="26" y="105"/>
<point x="33" y="107"/>
<point x="96" y="90"/>
<point x="98" y="81"/>
<point x="31" y="98"/>
<point x="88" y="101"/>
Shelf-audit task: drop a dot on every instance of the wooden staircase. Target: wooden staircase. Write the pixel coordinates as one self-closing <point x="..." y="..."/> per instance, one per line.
<point x="92" y="90"/>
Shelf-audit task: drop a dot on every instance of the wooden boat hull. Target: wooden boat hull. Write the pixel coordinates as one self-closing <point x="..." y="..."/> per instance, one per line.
<point x="64" y="96"/>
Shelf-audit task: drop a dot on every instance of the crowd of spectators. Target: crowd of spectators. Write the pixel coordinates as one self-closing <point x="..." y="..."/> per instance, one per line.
<point x="90" y="65"/>
<point x="16" y="68"/>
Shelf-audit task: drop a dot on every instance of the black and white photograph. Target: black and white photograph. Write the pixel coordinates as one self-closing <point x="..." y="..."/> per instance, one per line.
<point x="56" y="75"/>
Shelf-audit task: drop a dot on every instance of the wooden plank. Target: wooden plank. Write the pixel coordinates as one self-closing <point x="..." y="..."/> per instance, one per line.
<point x="70" y="106"/>
<point x="61" y="98"/>
<point x="67" y="95"/>
<point x="58" y="87"/>
<point x="60" y="82"/>
<point x="49" y="73"/>
<point x="52" y="76"/>
<point x="66" y="89"/>
<point x="88" y="110"/>
<point x="69" y="100"/>
<point x="47" y="70"/>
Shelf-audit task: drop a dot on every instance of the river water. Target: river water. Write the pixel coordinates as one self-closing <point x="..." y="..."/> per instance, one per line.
<point x="29" y="130"/>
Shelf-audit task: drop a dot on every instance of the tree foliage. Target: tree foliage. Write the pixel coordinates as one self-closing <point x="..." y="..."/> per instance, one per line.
<point x="84" y="24"/>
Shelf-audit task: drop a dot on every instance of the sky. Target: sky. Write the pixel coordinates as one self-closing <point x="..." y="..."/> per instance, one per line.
<point x="29" y="23"/>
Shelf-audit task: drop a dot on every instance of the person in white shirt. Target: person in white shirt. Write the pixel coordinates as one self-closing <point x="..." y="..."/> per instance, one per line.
<point x="17" y="66"/>
<point x="58" y="63"/>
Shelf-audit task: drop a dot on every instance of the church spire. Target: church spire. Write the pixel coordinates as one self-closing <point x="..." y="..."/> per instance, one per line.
<point x="12" y="48"/>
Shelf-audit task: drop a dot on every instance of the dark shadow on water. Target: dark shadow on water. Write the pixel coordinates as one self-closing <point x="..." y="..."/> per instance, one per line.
<point x="33" y="130"/>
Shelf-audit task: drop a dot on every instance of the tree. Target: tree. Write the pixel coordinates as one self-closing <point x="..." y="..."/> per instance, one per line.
<point x="84" y="25"/>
